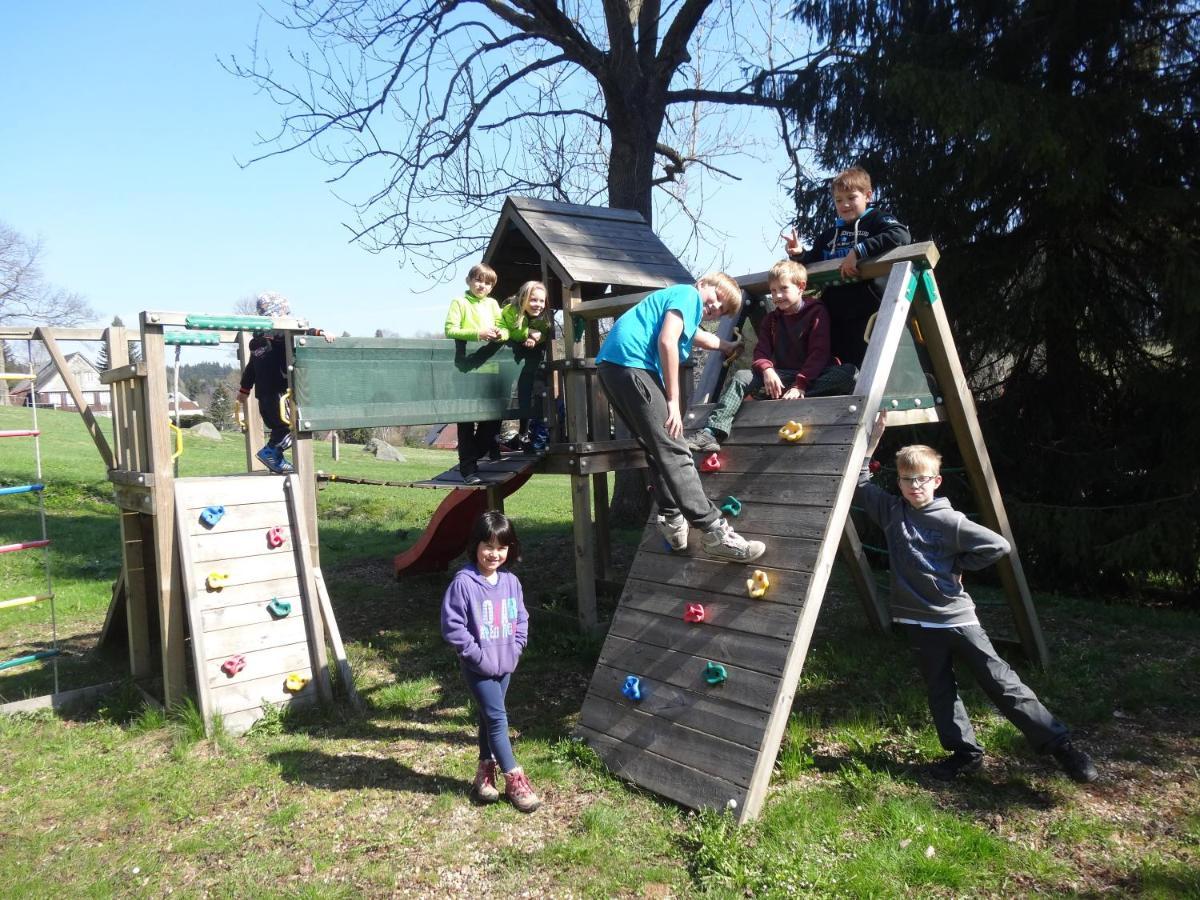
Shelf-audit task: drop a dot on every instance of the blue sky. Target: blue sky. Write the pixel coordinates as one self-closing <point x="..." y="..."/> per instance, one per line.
<point x="119" y="146"/>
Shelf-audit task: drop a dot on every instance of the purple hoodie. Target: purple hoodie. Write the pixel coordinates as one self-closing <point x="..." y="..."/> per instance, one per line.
<point x="486" y="624"/>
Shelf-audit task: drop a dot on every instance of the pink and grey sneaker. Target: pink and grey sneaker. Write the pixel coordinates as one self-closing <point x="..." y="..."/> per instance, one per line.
<point x="484" y="789"/>
<point x="519" y="791"/>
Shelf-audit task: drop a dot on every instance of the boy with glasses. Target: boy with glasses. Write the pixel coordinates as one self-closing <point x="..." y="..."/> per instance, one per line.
<point x="929" y="545"/>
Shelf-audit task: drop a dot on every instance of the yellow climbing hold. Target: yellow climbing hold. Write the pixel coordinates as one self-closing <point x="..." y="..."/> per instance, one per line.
<point x="757" y="584"/>
<point x="216" y="580"/>
<point x="792" y="431"/>
<point x="295" y="682"/>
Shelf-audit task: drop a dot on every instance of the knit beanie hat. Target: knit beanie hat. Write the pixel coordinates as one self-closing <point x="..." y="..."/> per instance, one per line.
<point x="273" y="304"/>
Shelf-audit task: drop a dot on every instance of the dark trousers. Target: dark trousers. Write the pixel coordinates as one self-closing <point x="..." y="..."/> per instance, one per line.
<point x="475" y="439"/>
<point x="268" y="408"/>
<point x="489" y="696"/>
<point x="639" y="399"/>
<point x="934" y="650"/>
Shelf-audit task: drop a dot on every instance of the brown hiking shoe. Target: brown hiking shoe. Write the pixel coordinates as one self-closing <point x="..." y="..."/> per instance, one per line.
<point x="484" y="788"/>
<point x="519" y="791"/>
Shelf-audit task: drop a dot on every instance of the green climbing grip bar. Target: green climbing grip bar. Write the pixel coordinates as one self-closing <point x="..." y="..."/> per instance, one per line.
<point x="233" y="323"/>
<point x="183" y="337"/>
<point x="930" y="286"/>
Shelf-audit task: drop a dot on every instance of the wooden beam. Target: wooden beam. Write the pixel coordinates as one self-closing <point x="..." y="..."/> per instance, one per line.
<point x="576" y="399"/>
<point x="46" y="336"/>
<point x="306" y="572"/>
<point x="924" y="255"/>
<point x="878" y="616"/>
<point x="167" y="586"/>
<point x="124" y="373"/>
<point x="345" y="676"/>
<point x="872" y="381"/>
<point x="253" y="429"/>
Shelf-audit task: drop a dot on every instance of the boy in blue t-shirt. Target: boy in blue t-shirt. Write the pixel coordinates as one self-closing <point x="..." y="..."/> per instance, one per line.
<point x="639" y="370"/>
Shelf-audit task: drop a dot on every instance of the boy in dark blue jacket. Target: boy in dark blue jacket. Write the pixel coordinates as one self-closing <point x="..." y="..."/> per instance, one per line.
<point x="861" y="231"/>
<point x="929" y="546"/>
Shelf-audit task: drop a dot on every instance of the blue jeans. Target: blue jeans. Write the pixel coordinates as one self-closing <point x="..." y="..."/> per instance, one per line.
<point x="493" y="718"/>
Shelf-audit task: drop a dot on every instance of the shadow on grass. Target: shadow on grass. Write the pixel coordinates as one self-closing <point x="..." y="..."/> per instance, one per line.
<point x="353" y="770"/>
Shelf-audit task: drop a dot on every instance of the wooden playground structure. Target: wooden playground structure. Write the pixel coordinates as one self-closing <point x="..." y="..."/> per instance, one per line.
<point x="699" y="739"/>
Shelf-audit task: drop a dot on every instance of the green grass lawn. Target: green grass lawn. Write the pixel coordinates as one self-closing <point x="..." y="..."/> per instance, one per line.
<point x="127" y="801"/>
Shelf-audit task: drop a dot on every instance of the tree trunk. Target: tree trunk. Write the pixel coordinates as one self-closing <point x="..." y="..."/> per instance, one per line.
<point x="630" y="173"/>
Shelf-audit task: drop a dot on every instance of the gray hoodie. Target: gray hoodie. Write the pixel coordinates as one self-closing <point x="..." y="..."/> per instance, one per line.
<point x="928" y="549"/>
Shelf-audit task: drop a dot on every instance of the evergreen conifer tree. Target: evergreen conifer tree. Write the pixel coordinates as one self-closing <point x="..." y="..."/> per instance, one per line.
<point x="1050" y="150"/>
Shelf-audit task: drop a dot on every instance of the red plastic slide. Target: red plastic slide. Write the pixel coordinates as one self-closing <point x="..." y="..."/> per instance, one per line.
<point x="445" y="538"/>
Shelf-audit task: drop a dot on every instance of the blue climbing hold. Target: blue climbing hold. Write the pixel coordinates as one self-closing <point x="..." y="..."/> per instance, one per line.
<point x="279" y="609"/>
<point x="632" y="688"/>
<point x="212" y="515"/>
<point x="732" y="506"/>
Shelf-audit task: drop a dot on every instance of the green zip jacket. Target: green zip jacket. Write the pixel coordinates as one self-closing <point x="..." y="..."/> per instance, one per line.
<point x="470" y="315"/>
<point x="518" y="324"/>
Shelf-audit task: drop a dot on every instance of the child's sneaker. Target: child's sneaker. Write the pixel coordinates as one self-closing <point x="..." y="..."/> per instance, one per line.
<point x="272" y="458"/>
<point x="703" y="441"/>
<point x="675" y="530"/>
<point x="957" y="763"/>
<point x="484" y="789"/>
<point x="519" y="791"/>
<point x="722" y="542"/>
<point x="1076" y="763"/>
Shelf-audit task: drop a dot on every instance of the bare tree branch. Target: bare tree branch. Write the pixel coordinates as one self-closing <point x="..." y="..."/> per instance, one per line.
<point x="25" y="296"/>
<point x="430" y="112"/>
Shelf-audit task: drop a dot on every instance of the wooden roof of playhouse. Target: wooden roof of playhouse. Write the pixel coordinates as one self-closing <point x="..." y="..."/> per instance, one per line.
<point x="587" y="246"/>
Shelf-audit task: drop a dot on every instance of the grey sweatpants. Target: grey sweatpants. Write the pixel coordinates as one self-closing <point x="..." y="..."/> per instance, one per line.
<point x="640" y="401"/>
<point x="934" y="649"/>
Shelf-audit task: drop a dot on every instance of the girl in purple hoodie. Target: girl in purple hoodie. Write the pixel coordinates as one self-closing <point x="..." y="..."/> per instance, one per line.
<point x="484" y="620"/>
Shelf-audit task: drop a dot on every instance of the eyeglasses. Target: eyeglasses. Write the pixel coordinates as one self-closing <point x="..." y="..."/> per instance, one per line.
<point x="916" y="480"/>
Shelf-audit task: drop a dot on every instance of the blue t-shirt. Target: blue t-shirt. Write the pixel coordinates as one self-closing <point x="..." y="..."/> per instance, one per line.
<point x="633" y="340"/>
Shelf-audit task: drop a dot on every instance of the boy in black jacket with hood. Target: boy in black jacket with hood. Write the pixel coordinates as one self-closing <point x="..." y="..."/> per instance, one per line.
<point x="861" y="231"/>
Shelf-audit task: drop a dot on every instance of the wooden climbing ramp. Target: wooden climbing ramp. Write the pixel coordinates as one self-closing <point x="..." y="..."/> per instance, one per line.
<point x="252" y="597"/>
<point x="706" y="744"/>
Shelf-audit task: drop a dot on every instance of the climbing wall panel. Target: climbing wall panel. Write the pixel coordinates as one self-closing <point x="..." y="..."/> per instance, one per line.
<point x="249" y="597"/>
<point x="702" y="744"/>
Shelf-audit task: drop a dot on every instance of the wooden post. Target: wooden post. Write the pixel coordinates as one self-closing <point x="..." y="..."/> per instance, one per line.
<point x="581" y="495"/>
<point x="305" y="495"/>
<point x="872" y="381"/>
<point x="126" y="422"/>
<point x="254" y="426"/>
<point x="598" y="415"/>
<point x="878" y="616"/>
<point x="959" y="404"/>
<point x="167" y="586"/>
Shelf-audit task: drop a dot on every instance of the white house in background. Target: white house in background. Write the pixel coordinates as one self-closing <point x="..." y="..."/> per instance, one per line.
<point x="51" y="390"/>
<point x="189" y="409"/>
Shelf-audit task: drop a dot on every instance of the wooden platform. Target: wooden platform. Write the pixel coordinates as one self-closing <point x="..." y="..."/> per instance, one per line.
<point x="702" y="745"/>
<point x="493" y="472"/>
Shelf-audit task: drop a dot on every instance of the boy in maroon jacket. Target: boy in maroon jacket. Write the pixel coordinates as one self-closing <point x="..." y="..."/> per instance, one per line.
<point x="791" y="357"/>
